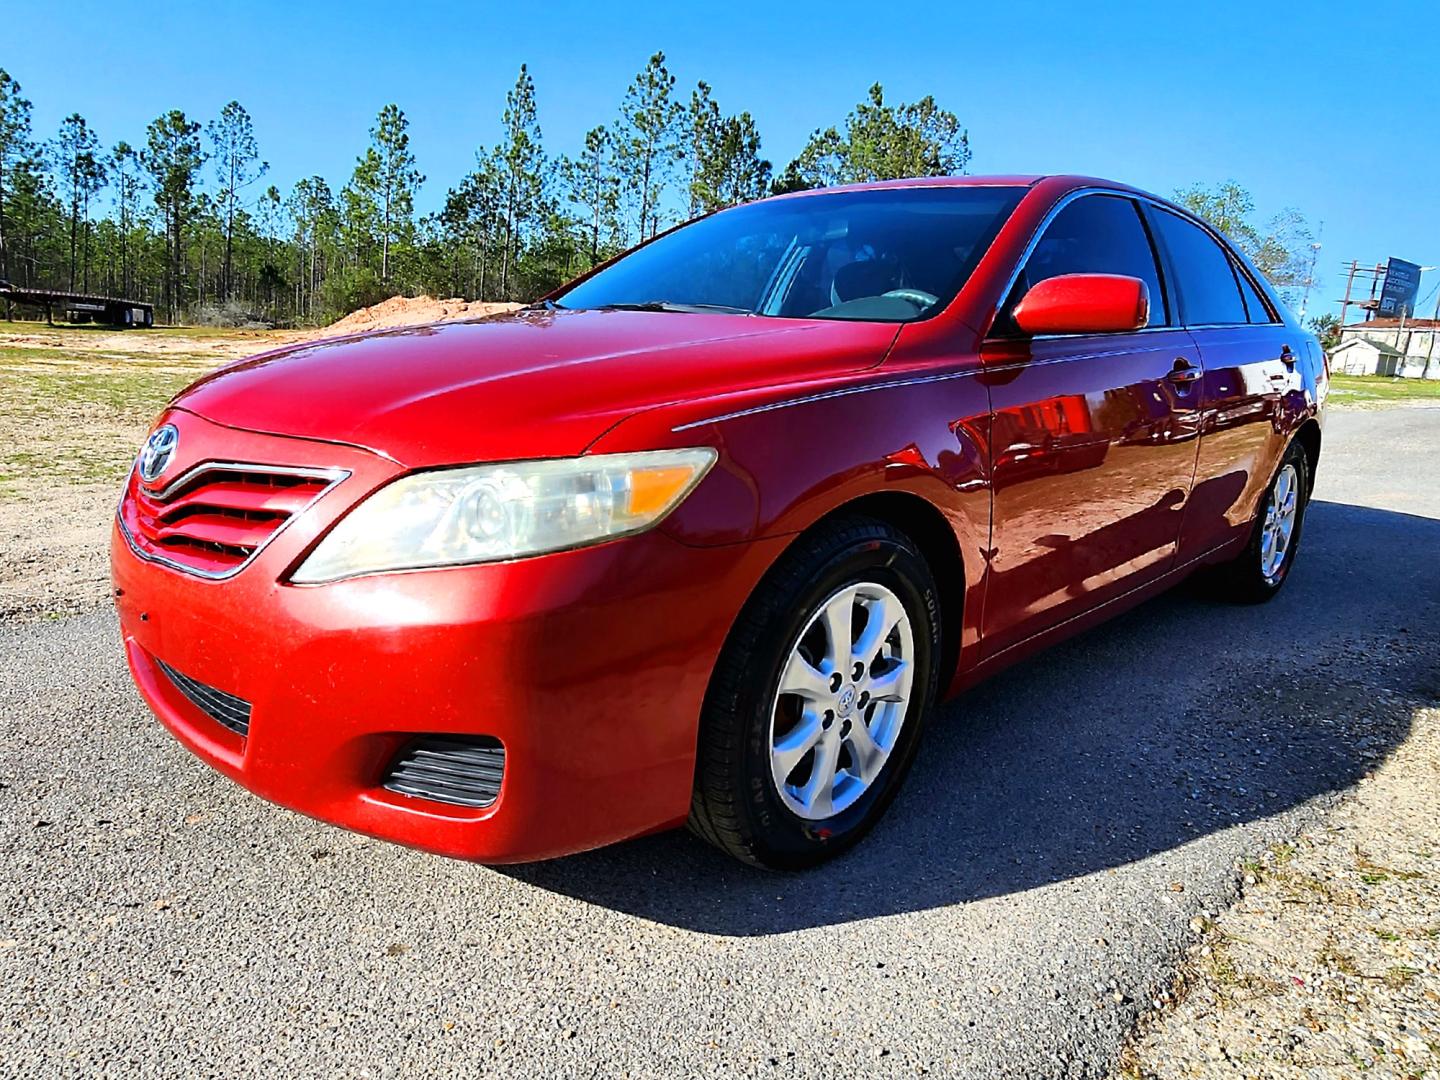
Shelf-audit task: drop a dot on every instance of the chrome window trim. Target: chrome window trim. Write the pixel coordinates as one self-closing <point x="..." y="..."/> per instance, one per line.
<point x="1142" y="330"/>
<point x="1149" y="201"/>
<point x="333" y="476"/>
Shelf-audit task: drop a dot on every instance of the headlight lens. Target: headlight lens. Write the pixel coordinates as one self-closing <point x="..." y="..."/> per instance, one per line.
<point x="486" y="513"/>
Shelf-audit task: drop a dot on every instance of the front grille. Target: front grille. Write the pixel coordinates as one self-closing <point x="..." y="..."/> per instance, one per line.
<point x="225" y="709"/>
<point x="465" y="772"/>
<point x="213" y="520"/>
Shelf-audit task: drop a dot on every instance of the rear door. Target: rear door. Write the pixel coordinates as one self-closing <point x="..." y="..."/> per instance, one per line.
<point x="1249" y="368"/>
<point x="1093" y="436"/>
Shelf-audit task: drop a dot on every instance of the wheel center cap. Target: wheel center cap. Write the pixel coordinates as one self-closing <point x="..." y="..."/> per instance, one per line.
<point x="846" y="701"/>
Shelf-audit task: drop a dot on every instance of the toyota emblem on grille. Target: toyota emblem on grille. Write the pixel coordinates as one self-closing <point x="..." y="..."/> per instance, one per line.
<point x="159" y="448"/>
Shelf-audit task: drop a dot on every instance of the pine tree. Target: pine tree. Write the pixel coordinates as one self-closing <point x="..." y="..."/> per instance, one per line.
<point x="16" y="149"/>
<point x="125" y="170"/>
<point x="593" y="185"/>
<point x="725" y="164"/>
<point x="882" y="142"/>
<point x="648" y="137"/>
<point x="395" y="182"/>
<point x="82" y="175"/>
<point x="237" y="166"/>
<point x="311" y="206"/>
<point x="173" y="158"/>
<point x="471" y="219"/>
<point x="521" y="162"/>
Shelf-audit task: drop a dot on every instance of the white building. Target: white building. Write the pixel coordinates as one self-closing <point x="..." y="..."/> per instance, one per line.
<point x="1385" y="347"/>
<point x="1361" y="356"/>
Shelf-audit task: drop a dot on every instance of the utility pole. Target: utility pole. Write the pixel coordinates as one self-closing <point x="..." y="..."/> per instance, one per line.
<point x="1434" y="330"/>
<point x="1310" y="278"/>
<point x="1349" y="281"/>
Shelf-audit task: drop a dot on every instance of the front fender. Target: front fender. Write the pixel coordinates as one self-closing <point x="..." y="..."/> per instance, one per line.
<point x="786" y="464"/>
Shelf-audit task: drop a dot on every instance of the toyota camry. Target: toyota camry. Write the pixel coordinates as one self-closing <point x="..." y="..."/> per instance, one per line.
<point x="702" y="537"/>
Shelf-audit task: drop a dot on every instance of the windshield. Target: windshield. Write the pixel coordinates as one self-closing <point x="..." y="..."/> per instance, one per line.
<point x="886" y="255"/>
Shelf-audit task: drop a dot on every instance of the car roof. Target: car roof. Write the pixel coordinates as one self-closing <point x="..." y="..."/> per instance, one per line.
<point x="1055" y="181"/>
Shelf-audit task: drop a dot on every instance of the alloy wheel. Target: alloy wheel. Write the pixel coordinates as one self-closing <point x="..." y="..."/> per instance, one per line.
<point x="1281" y="511"/>
<point x="842" y="700"/>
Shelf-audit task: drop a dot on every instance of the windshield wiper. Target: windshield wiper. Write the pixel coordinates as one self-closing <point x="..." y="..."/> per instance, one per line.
<point x="673" y="305"/>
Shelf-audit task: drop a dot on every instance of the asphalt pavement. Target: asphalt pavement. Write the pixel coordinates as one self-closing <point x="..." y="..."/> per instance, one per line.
<point x="1022" y="902"/>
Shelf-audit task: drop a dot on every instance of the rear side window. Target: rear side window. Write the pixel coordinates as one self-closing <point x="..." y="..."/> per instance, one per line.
<point x="1209" y="294"/>
<point x="1095" y="234"/>
<point x="1259" y="311"/>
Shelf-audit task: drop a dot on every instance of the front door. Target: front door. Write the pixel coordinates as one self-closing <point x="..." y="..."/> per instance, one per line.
<point x="1093" y="437"/>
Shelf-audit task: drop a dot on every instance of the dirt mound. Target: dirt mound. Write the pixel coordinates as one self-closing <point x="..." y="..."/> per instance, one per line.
<point x="413" y="311"/>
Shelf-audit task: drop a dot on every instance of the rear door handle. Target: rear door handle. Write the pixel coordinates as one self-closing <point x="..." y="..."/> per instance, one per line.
<point x="1185" y="372"/>
<point x="1287" y="357"/>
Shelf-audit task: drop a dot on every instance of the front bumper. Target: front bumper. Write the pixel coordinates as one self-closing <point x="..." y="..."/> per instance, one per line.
<point x="589" y="666"/>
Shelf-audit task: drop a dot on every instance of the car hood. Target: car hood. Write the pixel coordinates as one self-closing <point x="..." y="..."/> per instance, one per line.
<point x="526" y="384"/>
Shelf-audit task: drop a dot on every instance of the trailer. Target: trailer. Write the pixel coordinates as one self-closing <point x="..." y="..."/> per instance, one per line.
<point x="81" y="307"/>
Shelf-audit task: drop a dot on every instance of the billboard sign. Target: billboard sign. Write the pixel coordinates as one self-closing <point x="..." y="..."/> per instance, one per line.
<point x="1402" y="284"/>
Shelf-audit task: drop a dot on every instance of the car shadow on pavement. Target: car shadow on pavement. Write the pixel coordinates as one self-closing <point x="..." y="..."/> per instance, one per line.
<point x="1181" y="718"/>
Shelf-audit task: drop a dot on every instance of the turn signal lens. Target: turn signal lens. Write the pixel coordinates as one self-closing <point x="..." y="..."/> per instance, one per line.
<point x="653" y="490"/>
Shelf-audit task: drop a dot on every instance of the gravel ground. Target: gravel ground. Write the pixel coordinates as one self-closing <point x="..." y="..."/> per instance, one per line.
<point x="1025" y="900"/>
<point x="1329" y="965"/>
<point x="54" y="548"/>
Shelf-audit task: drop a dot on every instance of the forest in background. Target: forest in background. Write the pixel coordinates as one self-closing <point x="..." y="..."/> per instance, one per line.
<point x="184" y="218"/>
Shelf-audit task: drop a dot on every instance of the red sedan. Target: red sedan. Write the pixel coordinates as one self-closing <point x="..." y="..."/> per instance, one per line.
<point x="703" y="536"/>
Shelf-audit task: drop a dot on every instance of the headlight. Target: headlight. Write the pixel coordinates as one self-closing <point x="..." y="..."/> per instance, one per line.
<point x="486" y="513"/>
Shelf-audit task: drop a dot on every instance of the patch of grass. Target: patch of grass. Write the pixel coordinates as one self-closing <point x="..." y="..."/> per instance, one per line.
<point x="1400" y="975"/>
<point x="78" y="418"/>
<point x="1344" y="963"/>
<point x="1373" y="873"/>
<point x="1306" y="889"/>
<point x="1222" y="966"/>
<point x="25" y="327"/>
<point x="1361" y="389"/>
<point x="1228" y="977"/>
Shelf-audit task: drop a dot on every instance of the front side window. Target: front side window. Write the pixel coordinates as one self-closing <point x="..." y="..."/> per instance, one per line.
<point x="886" y="255"/>
<point x="1095" y="234"/>
<point x="1209" y="294"/>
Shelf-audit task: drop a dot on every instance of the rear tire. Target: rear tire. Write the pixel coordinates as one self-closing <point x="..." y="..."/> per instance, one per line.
<point x="787" y="709"/>
<point x="1259" y="572"/>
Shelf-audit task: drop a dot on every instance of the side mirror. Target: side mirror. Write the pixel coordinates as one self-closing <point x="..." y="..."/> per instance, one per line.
<point x="1084" y="304"/>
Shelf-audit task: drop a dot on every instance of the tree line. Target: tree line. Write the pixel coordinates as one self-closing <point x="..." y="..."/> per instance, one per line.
<point x="184" y="218"/>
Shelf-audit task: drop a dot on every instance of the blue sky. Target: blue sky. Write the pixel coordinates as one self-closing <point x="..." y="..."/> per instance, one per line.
<point x="1320" y="106"/>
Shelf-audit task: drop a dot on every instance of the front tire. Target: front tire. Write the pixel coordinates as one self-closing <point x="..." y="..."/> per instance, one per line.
<point x="817" y="702"/>
<point x="1259" y="572"/>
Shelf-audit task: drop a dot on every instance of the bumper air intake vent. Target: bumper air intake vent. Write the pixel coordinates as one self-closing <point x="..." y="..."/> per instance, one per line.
<point x="449" y="769"/>
<point x="227" y="710"/>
